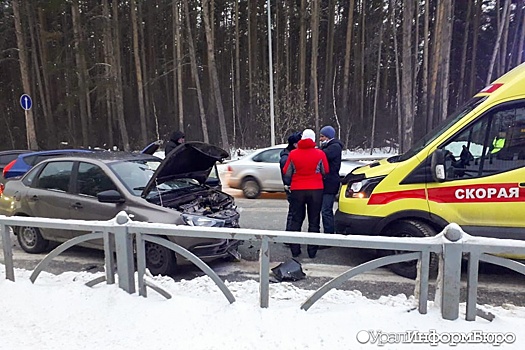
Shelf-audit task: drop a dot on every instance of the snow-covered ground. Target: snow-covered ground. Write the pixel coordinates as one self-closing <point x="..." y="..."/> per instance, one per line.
<point x="60" y="312"/>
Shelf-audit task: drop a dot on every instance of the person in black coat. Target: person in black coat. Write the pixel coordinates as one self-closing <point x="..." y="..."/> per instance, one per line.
<point x="287" y="180"/>
<point x="176" y="138"/>
<point x="333" y="149"/>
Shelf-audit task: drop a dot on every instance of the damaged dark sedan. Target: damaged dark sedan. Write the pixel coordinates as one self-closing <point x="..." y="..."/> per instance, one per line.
<point x="97" y="186"/>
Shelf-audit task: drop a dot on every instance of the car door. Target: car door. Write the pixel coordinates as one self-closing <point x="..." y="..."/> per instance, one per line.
<point x="484" y="191"/>
<point x="269" y="172"/>
<point x="48" y="196"/>
<point x="89" y="180"/>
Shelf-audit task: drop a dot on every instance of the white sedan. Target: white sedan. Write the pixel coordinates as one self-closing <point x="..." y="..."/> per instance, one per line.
<point x="259" y="171"/>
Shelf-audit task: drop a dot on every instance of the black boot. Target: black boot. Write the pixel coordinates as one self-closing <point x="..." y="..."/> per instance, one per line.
<point x="295" y="249"/>
<point x="312" y="251"/>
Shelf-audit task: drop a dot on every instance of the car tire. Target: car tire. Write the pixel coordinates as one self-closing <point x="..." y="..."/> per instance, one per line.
<point x="160" y="260"/>
<point x="31" y="240"/>
<point x="411" y="228"/>
<point x="251" y="188"/>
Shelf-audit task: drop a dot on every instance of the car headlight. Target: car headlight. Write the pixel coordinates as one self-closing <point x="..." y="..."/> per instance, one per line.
<point x="362" y="188"/>
<point x="197" y="220"/>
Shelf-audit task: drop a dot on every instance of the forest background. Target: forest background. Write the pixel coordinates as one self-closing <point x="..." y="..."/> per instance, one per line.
<point x="127" y="72"/>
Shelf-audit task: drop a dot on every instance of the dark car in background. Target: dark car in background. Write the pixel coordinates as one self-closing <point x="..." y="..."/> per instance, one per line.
<point x="98" y="185"/>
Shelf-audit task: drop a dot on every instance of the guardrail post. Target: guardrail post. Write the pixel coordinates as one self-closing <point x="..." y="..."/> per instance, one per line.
<point x="264" y="272"/>
<point x="8" y="253"/>
<point x="451" y="281"/>
<point x="124" y="249"/>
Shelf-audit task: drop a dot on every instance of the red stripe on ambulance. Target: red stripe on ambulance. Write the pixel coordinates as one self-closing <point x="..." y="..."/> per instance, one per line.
<point x="457" y="194"/>
<point x="387" y="197"/>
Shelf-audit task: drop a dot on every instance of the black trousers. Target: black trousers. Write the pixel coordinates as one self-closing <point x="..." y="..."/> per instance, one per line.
<point x="306" y="202"/>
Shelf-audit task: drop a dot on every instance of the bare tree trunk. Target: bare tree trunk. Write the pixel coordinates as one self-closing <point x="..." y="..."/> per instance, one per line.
<point x="504" y="45"/>
<point x="302" y="50"/>
<point x="400" y="119"/>
<point x="195" y="73"/>
<point x="424" y="88"/>
<point x="215" y="79"/>
<point x="515" y="36"/>
<point x="41" y="30"/>
<point x="238" y="72"/>
<point x="145" y="85"/>
<point x="177" y="60"/>
<point x="252" y="42"/>
<point x="50" y="126"/>
<point x="348" y="54"/>
<point x="463" y="63"/>
<point x="314" y="89"/>
<point x="138" y="72"/>
<point x="376" y="92"/>
<point x="362" y="63"/>
<point x="436" y="54"/>
<point x="82" y="72"/>
<point x="119" y="91"/>
<point x="475" y="34"/>
<point x="445" y="69"/>
<point x="520" y="57"/>
<point x="406" y="77"/>
<point x="24" y="71"/>
<point x="329" y="67"/>
<point x="109" y="69"/>
<point x="498" y="41"/>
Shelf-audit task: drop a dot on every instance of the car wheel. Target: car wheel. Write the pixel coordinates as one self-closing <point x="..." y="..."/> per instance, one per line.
<point x="251" y="188"/>
<point x="411" y="228"/>
<point x="160" y="260"/>
<point x="31" y="240"/>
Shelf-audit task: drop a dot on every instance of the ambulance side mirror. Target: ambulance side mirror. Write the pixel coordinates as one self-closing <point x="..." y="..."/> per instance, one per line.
<point x="438" y="165"/>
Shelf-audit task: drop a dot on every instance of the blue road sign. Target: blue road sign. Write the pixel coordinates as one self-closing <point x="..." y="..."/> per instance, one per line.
<point x="26" y="102"/>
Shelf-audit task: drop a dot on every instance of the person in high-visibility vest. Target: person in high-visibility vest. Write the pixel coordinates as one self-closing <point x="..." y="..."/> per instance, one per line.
<point x="498" y="142"/>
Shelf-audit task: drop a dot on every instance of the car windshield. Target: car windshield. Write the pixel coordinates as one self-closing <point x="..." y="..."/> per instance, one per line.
<point x="135" y="174"/>
<point x="180" y="186"/>
<point x="445" y="125"/>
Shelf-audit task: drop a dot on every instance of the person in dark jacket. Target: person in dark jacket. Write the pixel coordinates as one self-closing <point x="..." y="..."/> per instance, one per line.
<point x="176" y="138"/>
<point x="287" y="180"/>
<point x="333" y="149"/>
<point x="306" y="165"/>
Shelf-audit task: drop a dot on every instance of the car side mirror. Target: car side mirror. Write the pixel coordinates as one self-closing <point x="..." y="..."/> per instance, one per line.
<point x="438" y="165"/>
<point x="110" y="196"/>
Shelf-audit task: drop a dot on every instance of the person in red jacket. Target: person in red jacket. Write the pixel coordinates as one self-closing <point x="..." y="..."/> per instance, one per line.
<point x="306" y="165"/>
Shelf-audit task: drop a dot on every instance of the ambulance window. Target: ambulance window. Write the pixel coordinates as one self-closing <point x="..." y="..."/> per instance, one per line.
<point x="493" y="144"/>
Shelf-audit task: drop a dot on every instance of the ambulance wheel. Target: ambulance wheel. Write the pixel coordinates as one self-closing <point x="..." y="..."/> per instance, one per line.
<point x="411" y="228"/>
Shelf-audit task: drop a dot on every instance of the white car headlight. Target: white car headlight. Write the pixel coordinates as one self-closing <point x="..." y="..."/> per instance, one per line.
<point x="197" y="220"/>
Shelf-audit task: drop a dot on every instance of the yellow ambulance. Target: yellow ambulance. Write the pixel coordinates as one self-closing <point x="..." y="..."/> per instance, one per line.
<point x="470" y="170"/>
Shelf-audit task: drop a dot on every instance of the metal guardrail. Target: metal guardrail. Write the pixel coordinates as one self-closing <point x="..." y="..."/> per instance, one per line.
<point x="119" y="234"/>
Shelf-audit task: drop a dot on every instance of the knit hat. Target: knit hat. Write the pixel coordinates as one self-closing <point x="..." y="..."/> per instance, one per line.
<point x="328" y="131"/>
<point x="176" y="135"/>
<point x="294" y="137"/>
<point x="308" y="134"/>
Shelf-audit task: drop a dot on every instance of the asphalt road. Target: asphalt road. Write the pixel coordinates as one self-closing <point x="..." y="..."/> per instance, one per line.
<point x="497" y="285"/>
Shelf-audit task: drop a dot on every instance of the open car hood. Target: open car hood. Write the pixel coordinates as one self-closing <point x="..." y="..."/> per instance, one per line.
<point x="193" y="160"/>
